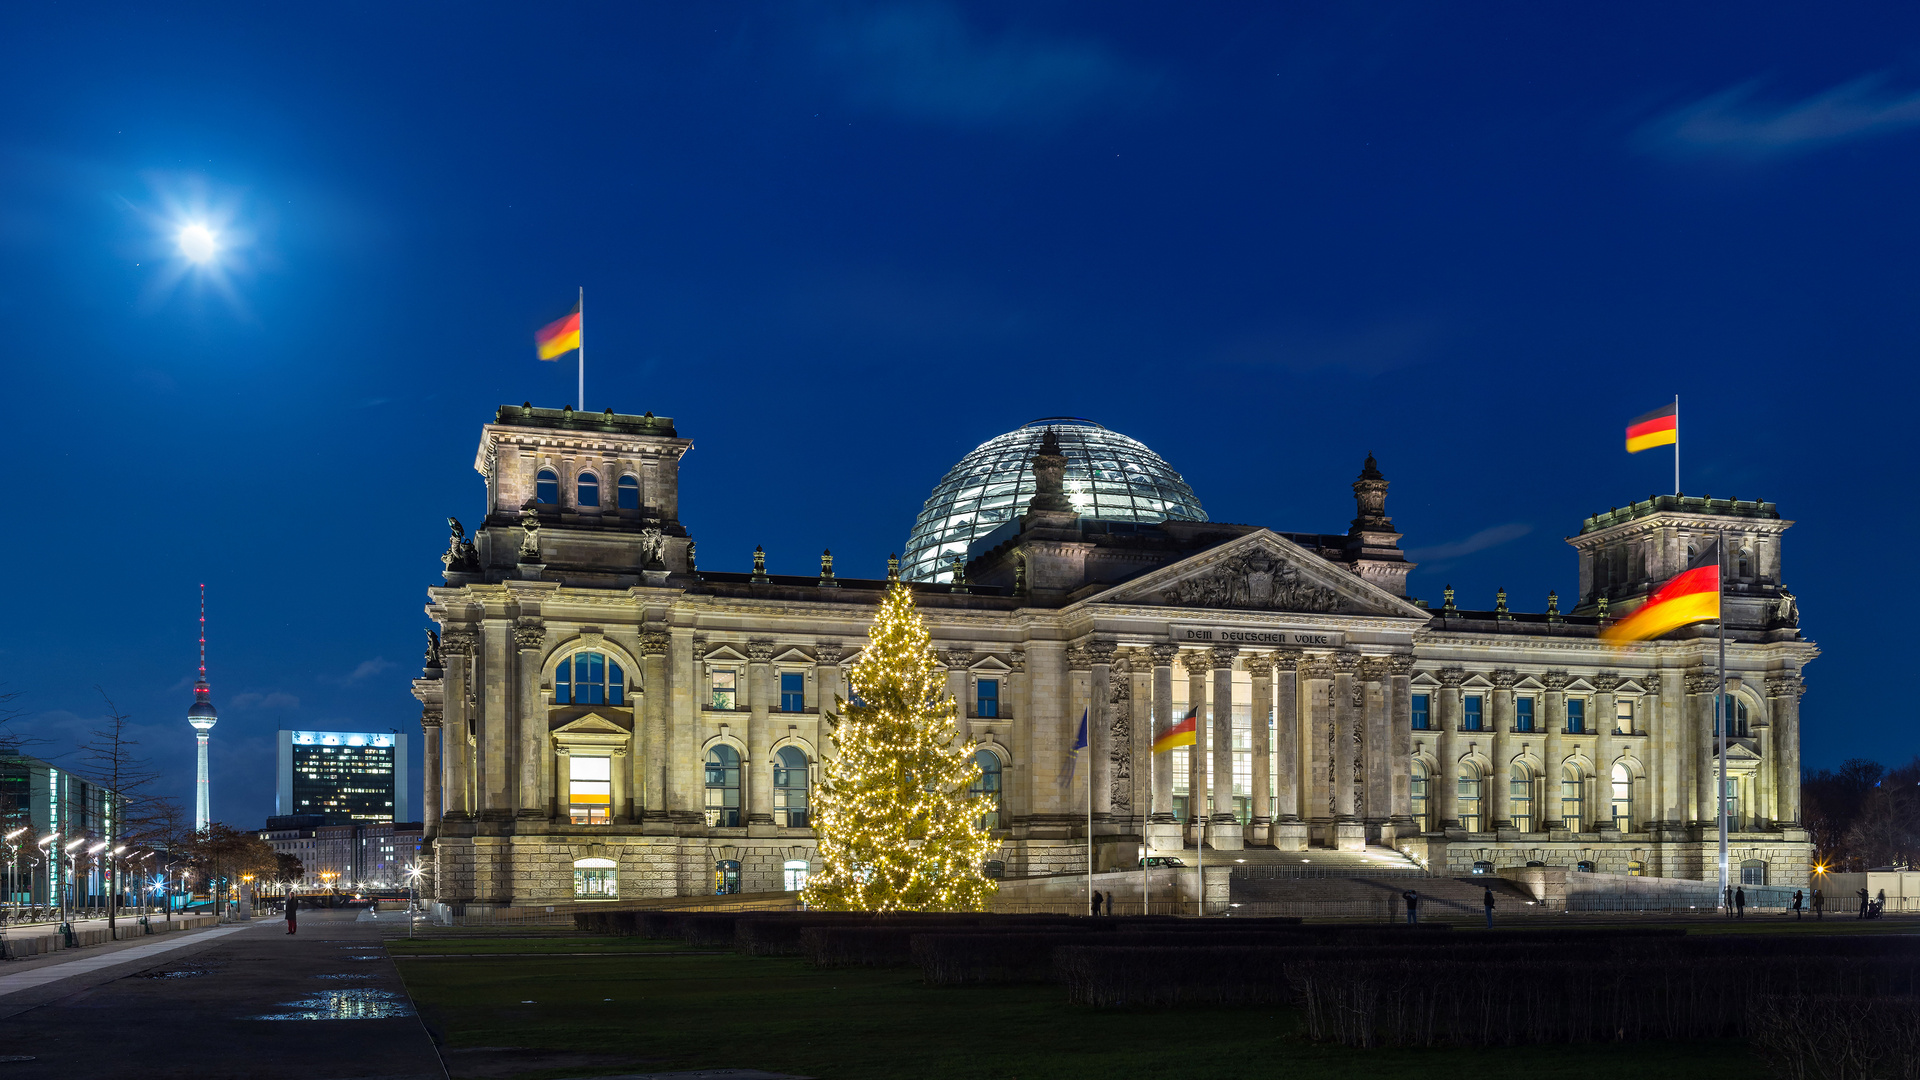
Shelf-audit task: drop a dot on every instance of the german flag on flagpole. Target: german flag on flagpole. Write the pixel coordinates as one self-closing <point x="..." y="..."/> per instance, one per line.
<point x="1180" y="734"/>
<point x="1692" y="596"/>
<point x="560" y="336"/>
<point x="1661" y="427"/>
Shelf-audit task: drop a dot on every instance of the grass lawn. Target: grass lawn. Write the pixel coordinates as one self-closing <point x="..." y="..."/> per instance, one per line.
<point x="671" y="1010"/>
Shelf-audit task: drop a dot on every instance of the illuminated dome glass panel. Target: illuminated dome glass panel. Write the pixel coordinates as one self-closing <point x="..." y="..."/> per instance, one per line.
<point x="1109" y="476"/>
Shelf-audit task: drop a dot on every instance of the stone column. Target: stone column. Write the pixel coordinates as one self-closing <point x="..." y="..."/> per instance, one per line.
<point x="1374" y="763"/>
<point x="1701" y="686"/>
<point x="755" y="772"/>
<point x="1400" y="741"/>
<point x="1766" y="806"/>
<point x="1601" y="814"/>
<point x="686" y="794"/>
<point x="650" y="762"/>
<point x="456" y="650"/>
<point x="432" y="781"/>
<point x="1100" y="728"/>
<point x="1316" y="725"/>
<point x="1349" y="834"/>
<point x="1501" y="782"/>
<point x="1784" y="692"/>
<point x="1198" y="664"/>
<point x="1161" y="810"/>
<point x="1555" y="718"/>
<point x="1224" y="827"/>
<point x="530" y="719"/>
<point x="496" y="788"/>
<point x="1015" y="796"/>
<point x="1286" y="744"/>
<point x="1447" y="715"/>
<point x="1047" y="693"/>
<point x="1260" y="666"/>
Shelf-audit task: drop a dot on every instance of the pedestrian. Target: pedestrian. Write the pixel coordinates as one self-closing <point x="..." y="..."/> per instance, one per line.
<point x="1819" y="904"/>
<point x="1880" y="902"/>
<point x="293" y="907"/>
<point x="1106" y="904"/>
<point x="1413" y="906"/>
<point x="1740" y="903"/>
<point x="1095" y="901"/>
<point x="1727" y="904"/>
<point x="1488" y="901"/>
<point x="1796" y="905"/>
<point x="1863" y="903"/>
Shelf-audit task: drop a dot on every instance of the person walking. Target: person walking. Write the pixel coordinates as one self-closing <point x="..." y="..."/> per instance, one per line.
<point x="1796" y="905"/>
<point x="1488" y="901"/>
<point x="1740" y="902"/>
<point x="1863" y="903"/>
<point x="1413" y="906"/>
<point x="1727" y="904"/>
<point x="1819" y="904"/>
<point x="1095" y="902"/>
<point x="293" y="908"/>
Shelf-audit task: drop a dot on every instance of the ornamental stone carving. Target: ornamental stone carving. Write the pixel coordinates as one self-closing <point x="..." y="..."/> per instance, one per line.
<point x="460" y="556"/>
<point x="957" y="660"/>
<point x="432" y="718"/>
<point x="759" y="652"/>
<point x="1258" y="664"/>
<point x="1163" y="655"/>
<point x="828" y="652"/>
<point x="1555" y="680"/>
<point x="651" y="544"/>
<point x="528" y="635"/>
<point x="1317" y="667"/>
<point x="1702" y="682"/>
<point x="1222" y="656"/>
<point x="1078" y="658"/>
<point x="1286" y="660"/>
<point x="1785" y="686"/>
<point x="655" y="643"/>
<point x="1504" y="678"/>
<point x="1345" y="662"/>
<point x="1400" y="664"/>
<point x="1100" y="651"/>
<point x="1017" y="660"/>
<point x="1256" y="581"/>
<point x="1196" y="661"/>
<point x="457" y="643"/>
<point x="529" y="535"/>
<point x="433" y="651"/>
<point x="1452" y="677"/>
<point x="1606" y="682"/>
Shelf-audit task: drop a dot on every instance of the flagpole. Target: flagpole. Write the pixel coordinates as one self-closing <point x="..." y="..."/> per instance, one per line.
<point x="1146" y="885"/>
<point x="1722" y="709"/>
<point x="1083" y="721"/>
<point x="580" y="353"/>
<point x="1676" y="444"/>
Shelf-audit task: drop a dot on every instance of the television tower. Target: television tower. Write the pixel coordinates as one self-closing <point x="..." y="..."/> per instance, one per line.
<point x="202" y="716"/>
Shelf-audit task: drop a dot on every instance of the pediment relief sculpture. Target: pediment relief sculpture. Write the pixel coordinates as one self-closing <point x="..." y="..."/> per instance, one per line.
<point x="1256" y="581"/>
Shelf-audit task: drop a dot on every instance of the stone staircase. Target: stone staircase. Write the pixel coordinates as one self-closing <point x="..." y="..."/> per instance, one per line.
<point x="1369" y="884"/>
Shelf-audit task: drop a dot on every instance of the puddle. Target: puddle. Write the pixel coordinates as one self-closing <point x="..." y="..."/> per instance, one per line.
<point x="348" y="975"/>
<point x="177" y="973"/>
<point x="356" y="1003"/>
<point x="366" y="956"/>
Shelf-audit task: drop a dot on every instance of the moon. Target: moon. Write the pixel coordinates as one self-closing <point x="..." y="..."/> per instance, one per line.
<point x="198" y="243"/>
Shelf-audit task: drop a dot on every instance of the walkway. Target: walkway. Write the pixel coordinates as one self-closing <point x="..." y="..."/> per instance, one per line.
<point x="231" y="1001"/>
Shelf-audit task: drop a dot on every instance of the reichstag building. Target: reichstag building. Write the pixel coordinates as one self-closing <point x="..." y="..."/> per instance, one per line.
<point x="607" y="718"/>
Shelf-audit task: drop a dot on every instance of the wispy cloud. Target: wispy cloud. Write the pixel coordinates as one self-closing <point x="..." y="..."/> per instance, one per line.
<point x="1480" y="541"/>
<point x="925" y="62"/>
<point x="367" y="669"/>
<point x="276" y="699"/>
<point x="1735" y="123"/>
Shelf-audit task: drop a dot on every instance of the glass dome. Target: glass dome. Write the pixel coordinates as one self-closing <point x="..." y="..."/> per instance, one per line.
<point x="1109" y="476"/>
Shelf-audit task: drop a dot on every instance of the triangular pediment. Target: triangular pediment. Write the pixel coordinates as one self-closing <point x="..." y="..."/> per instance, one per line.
<point x="793" y="656"/>
<point x="1261" y="571"/>
<point x="590" y="724"/>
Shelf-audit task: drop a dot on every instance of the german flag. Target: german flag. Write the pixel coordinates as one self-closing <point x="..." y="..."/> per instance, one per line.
<point x="1661" y="427"/>
<point x="1692" y="596"/>
<point x="559" y="336"/>
<point x="1180" y="734"/>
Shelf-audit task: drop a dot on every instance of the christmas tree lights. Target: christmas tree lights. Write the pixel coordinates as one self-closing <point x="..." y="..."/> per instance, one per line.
<point x="898" y="828"/>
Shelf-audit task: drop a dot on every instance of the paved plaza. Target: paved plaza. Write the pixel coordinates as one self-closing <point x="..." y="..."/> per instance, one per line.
<point x="230" y="1001"/>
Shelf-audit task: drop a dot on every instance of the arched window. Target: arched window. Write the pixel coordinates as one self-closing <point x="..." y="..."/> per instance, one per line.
<point x="1572" y="815"/>
<point x="1622" y="797"/>
<point x="629" y="493"/>
<point x="790" y="788"/>
<point x="589" y="678"/>
<point x="1753" y="872"/>
<point x="1421" y="806"/>
<point x="1520" y="798"/>
<point x="588" y="489"/>
<point x="726" y="877"/>
<point x="723" y="789"/>
<point x="589" y="789"/>
<point x="988" y="783"/>
<point x="546" y="488"/>
<point x="595" y="879"/>
<point x="1739" y="719"/>
<point x="1469" y="798"/>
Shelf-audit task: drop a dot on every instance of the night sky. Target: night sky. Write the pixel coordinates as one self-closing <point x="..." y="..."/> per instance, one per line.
<point x="843" y="244"/>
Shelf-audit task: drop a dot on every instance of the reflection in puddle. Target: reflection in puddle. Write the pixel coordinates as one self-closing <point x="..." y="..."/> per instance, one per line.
<point x="357" y="1003"/>
<point x="348" y="975"/>
<point x="177" y="973"/>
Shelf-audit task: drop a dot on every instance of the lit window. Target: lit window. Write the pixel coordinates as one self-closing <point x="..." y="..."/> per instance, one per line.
<point x="629" y="493"/>
<point x="1421" y="713"/>
<point x="1420" y="805"/>
<point x="723" y="787"/>
<point x="589" y="489"/>
<point x="1622" y="797"/>
<point x="986" y="699"/>
<point x="726" y="688"/>
<point x="1576" y="716"/>
<point x="793" y="875"/>
<point x="595" y="879"/>
<point x="1623" y="718"/>
<point x="589" y="678"/>
<point x="726" y="877"/>
<point x="988" y="784"/>
<point x="793" y="691"/>
<point x="790" y="788"/>
<point x="1520" y="795"/>
<point x="1471" y="720"/>
<point x="1523" y="714"/>
<point x="1571" y="816"/>
<point x="1753" y="872"/>
<point x="589" y="789"/>
<point x="546" y="488"/>
<point x="1469" y="789"/>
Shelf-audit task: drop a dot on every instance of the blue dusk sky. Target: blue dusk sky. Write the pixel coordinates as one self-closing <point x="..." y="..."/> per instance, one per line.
<point x="842" y="244"/>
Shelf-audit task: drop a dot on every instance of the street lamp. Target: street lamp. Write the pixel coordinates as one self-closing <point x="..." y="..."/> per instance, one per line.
<point x="413" y="894"/>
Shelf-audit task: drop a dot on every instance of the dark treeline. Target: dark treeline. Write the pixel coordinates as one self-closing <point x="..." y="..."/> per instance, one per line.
<point x="1863" y="814"/>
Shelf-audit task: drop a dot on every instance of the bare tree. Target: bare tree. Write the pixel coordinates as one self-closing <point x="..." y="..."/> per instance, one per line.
<point x="111" y="762"/>
<point x="166" y="826"/>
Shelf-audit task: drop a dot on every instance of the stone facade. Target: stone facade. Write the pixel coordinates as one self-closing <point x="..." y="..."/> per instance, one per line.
<point x="606" y="718"/>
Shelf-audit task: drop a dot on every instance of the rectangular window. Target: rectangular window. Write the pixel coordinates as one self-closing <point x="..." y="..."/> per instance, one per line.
<point x="1523" y="714"/>
<point x="1420" y="713"/>
<point x="986" y="699"/>
<point x="589" y="789"/>
<point x="1520" y="794"/>
<point x="1623" y="718"/>
<point x="726" y="688"/>
<point x="1622" y="802"/>
<point x="1470" y="720"/>
<point x="1576" y="716"/>
<point x="595" y="885"/>
<point x="793" y="691"/>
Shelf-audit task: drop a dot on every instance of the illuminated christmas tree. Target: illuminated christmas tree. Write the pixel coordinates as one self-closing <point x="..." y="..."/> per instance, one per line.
<point x="898" y="828"/>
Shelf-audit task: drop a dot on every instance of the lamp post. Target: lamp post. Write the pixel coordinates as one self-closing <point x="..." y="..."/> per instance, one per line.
<point x="68" y="872"/>
<point x="13" y="868"/>
<point x="413" y="894"/>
